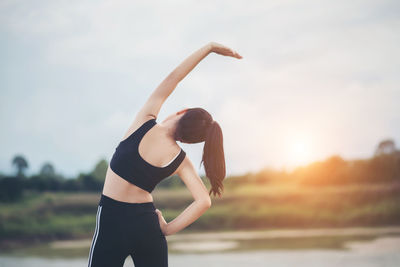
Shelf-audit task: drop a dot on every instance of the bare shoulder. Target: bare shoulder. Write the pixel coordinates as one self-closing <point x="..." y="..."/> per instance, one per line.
<point x="137" y="122"/>
<point x="185" y="167"/>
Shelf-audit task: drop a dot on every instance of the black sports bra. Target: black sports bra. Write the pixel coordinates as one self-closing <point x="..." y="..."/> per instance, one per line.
<point x="129" y="165"/>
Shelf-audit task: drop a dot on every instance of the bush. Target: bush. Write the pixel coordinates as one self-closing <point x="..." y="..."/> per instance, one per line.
<point x="11" y="188"/>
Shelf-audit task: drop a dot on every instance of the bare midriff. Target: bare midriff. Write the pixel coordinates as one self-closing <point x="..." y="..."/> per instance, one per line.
<point x="119" y="189"/>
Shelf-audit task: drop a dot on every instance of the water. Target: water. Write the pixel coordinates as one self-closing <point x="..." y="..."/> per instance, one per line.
<point x="381" y="251"/>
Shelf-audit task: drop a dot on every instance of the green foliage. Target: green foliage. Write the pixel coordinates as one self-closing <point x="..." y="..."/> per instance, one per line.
<point x="47" y="170"/>
<point x="330" y="193"/>
<point x="100" y="170"/>
<point x="382" y="168"/>
<point x="10" y="188"/>
<point x="48" y="216"/>
<point x="20" y="164"/>
<point x="171" y="182"/>
<point x="44" y="183"/>
<point x="72" y="215"/>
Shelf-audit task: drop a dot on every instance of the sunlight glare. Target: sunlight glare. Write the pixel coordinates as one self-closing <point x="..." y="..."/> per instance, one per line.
<point x="300" y="151"/>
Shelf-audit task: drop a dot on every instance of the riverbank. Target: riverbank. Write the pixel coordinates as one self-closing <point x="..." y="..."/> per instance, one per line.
<point x="382" y="251"/>
<point x="228" y="241"/>
<point x="41" y="218"/>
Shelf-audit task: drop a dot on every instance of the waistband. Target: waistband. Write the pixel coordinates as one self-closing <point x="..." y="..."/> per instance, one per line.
<point x="110" y="202"/>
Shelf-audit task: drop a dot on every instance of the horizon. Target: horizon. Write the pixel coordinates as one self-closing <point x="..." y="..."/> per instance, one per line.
<point x="281" y="169"/>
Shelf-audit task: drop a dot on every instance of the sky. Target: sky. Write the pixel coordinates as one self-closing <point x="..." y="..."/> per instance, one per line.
<point x="317" y="78"/>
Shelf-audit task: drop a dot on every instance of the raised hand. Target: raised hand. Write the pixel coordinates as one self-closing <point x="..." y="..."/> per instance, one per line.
<point x="224" y="50"/>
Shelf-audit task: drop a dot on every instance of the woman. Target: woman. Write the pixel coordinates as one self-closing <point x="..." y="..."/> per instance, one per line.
<point x="127" y="222"/>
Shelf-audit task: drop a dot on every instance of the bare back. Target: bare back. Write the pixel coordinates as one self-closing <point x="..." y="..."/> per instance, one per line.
<point x="157" y="148"/>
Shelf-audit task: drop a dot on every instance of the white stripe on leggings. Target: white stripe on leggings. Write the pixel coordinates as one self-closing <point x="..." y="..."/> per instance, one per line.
<point x="96" y="233"/>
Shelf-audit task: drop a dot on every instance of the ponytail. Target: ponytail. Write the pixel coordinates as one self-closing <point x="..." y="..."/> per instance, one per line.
<point x="213" y="158"/>
<point x="195" y="126"/>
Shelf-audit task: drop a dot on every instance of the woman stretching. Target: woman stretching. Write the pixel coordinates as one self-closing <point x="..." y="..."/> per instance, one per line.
<point x="127" y="222"/>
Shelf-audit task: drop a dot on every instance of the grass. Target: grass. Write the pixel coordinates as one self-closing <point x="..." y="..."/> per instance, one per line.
<point x="55" y="216"/>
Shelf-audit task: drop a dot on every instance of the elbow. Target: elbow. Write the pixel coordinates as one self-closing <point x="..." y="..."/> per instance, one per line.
<point x="205" y="203"/>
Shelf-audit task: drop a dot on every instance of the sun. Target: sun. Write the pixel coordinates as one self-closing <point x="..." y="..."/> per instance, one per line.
<point x="299" y="150"/>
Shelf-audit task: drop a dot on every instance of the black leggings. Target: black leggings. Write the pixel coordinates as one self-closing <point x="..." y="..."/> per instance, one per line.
<point x="124" y="229"/>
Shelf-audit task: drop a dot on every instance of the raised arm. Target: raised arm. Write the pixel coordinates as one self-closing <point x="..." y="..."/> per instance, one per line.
<point x="164" y="89"/>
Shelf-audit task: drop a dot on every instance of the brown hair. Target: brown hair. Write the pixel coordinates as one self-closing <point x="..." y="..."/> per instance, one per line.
<point x="197" y="125"/>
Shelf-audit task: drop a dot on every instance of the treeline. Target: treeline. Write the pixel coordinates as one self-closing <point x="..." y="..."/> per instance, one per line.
<point x="332" y="171"/>
<point x="12" y="187"/>
<point x="382" y="167"/>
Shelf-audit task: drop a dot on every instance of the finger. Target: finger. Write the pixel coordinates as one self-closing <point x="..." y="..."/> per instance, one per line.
<point x="236" y="54"/>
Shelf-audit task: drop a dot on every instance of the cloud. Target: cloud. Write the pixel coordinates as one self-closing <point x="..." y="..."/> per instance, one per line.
<point x="322" y="69"/>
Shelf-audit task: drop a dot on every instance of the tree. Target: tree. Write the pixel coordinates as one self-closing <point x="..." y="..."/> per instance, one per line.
<point x="89" y="183"/>
<point x="100" y="170"/>
<point x="47" y="170"/>
<point x="11" y="189"/>
<point x="385" y="147"/>
<point x="20" y="164"/>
